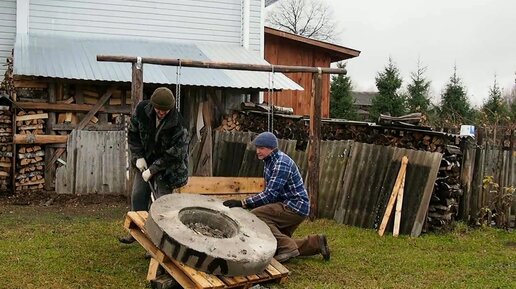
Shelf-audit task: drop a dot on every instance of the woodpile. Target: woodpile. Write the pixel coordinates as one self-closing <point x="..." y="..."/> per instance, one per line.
<point x="290" y="127"/>
<point x="6" y="148"/>
<point x="30" y="168"/>
<point x="231" y="122"/>
<point x="444" y="203"/>
<point x="30" y="158"/>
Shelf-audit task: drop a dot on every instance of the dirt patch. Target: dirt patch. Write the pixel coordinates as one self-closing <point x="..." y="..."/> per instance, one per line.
<point x="47" y="199"/>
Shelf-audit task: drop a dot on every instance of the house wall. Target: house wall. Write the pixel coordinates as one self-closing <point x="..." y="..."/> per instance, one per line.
<point x="7" y="32"/>
<point x="199" y="21"/>
<point x="286" y="52"/>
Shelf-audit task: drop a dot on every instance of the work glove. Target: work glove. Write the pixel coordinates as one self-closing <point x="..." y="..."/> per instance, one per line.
<point x="141" y="164"/>
<point x="146" y="175"/>
<point x="233" y="203"/>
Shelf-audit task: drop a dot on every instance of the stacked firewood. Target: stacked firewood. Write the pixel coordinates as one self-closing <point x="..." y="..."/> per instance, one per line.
<point x="6" y="148"/>
<point x="30" y="168"/>
<point x="31" y="122"/>
<point x="31" y="158"/>
<point x="289" y="127"/>
<point x="444" y="203"/>
<point x="231" y="122"/>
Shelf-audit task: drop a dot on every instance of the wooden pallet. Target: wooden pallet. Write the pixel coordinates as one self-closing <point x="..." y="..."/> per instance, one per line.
<point x="188" y="277"/>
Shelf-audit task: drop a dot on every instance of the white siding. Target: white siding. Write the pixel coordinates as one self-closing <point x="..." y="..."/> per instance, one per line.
<point x="215" y="21"/>
<point x="7" y="32"/>
<point x="255" y="26"/>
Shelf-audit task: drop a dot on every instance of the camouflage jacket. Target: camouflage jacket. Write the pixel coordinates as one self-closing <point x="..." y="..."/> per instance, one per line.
<point x="165" y="148"/>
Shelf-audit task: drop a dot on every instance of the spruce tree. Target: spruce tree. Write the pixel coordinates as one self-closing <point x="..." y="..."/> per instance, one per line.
<point x="388" y="100"/>
<point x="341" y="98"/>
<point x="495" y="109"/>
<point x="455" y="106"/>
<point x="418" y="99"/>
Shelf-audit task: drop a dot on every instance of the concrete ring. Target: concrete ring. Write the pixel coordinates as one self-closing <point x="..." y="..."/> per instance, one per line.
<point x="245" y="245"/>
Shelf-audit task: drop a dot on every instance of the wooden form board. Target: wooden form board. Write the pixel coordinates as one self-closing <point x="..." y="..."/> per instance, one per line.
<point x="223" y="185"/>
<point x="190" y="278"/>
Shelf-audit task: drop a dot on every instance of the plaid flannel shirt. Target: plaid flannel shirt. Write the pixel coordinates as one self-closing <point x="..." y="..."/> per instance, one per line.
<point x="283" y="183"/>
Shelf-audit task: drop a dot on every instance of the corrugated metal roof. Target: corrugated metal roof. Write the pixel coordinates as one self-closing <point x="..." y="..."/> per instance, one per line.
<point x="74" y="57"/>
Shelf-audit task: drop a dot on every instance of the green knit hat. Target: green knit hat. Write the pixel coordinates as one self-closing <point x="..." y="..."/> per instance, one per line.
<point x="163" y="99"/>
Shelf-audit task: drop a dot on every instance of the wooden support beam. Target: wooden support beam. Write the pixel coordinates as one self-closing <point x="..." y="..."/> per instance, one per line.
<point x="50" y="171"/>
<point x="72" y="107"/>
<point x="136" y="84"/>
<point x="220" y="65"/>
<point x="98" y="127"/>
<point x="39" y="139"/>
<point x="315" y="140"/>
<point x="88" y="117"/>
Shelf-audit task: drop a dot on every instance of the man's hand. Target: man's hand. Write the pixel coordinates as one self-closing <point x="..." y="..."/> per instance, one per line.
<point x="146" y="175"/>
<point x="233" y="203"/>
<point x="141" y="164"/>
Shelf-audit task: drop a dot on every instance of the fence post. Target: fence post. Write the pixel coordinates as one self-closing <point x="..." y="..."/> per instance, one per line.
<point x="468" y="165"/>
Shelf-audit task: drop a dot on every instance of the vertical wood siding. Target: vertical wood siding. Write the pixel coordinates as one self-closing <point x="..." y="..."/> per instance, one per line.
<point x="7" y="32"/>
<point x="285" y="52"/>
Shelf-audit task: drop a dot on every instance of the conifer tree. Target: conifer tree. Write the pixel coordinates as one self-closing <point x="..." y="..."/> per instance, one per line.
<point x="388" y="100"/>
<point x="341" y="98"/>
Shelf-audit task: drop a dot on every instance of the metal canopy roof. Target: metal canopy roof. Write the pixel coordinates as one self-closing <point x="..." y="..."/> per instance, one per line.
<point x="74" y="57"/>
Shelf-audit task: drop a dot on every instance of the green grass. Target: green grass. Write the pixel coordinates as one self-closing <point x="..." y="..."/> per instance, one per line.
<point x="77" y="248"/>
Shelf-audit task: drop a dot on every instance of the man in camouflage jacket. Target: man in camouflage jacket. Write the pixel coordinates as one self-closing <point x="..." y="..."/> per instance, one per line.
<point x="158" y="141"/>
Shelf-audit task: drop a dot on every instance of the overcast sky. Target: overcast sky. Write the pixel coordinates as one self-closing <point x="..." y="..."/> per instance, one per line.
<point x="479" y="36"/>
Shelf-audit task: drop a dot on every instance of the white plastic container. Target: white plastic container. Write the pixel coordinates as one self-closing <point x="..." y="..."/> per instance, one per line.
<point x="467" y="130"/>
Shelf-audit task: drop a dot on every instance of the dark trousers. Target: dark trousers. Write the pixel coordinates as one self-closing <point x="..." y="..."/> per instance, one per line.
<point x="141" y="194"/>
<point x="283" y="222"/>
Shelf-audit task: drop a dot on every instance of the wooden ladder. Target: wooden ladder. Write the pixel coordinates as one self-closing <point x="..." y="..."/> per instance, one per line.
<point x="188" y="277"/>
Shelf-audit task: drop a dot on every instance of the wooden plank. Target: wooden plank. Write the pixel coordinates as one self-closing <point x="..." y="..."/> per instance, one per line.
<point x="20" y="83"/>
<point x="72" y="107"/>
<point x="99" y="127"/>
<point x="399" y="204"/>
<point x="273" y="272"/>
<point x="223" y="185"/>
<point x="152" y="272"/>
<point x="175" y="272"/>
<point x="39" y="139"/>
<point x="201" y="279"/>
<point x="31" y="116"/>
<point x="282" y="269"/>
<point x="394" y="194"/>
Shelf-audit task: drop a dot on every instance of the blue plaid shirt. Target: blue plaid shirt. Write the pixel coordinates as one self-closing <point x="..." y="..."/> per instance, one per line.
<point x="283" y="183"/>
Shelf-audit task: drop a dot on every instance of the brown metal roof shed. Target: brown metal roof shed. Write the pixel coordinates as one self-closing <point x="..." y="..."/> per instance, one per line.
<point x="283" y="48"/>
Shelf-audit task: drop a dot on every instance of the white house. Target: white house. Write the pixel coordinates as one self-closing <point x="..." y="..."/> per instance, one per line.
<point x="54" y="38"/>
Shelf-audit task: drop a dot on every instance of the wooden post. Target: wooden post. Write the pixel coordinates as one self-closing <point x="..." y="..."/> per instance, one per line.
<point x="50" y="169"/>
<point x="137" y="83"/>
<point x="466" y="178"/>
<point x="136" y="97"/>
<point x="315" y="139"/>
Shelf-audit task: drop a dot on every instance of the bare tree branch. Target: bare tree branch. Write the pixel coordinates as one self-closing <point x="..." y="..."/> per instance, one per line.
<point x="309" y="18"/>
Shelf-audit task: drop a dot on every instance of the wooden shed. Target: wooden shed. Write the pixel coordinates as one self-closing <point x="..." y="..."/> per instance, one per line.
<point x="283" y="48"/>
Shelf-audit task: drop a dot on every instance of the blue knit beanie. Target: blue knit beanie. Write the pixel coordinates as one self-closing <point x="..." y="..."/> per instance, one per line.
<point x="266" y="139"/>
